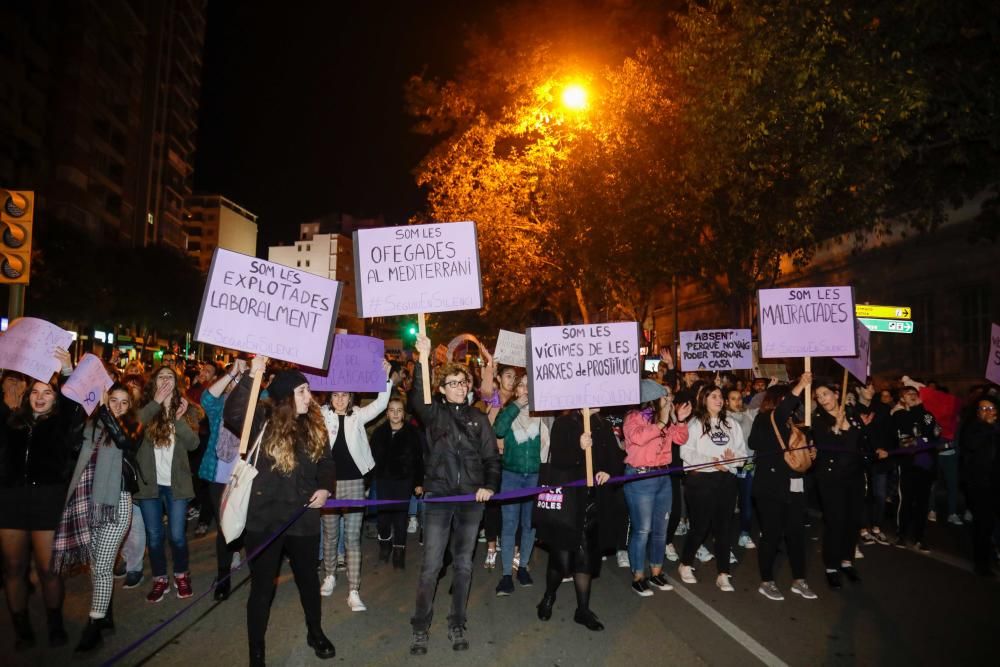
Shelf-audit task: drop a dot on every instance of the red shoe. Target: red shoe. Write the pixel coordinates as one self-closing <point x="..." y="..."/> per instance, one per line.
<point x="183" y="584"/>
<point x="161" y="585"/>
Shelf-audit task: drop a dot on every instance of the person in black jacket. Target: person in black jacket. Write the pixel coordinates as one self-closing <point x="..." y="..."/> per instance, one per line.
<point x="294" y="469"/>
<point x="915" y="427"/>
<point x="778" y="490"/>
<point x="460" y="457"/>
<point x="981" y="472"/>
<point x="397" y="449"/>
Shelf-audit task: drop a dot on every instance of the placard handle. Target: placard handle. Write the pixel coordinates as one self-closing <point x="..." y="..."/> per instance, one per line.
<point x="588" y="454"/>
<point x="251" y="409"/>
<point x="425" y="366"/>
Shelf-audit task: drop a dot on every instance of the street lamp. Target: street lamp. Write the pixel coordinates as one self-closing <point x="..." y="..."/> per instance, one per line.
<point x="574" y="97"/>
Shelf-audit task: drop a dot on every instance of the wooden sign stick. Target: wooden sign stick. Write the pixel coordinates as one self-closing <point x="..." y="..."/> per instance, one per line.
<point x="588" y="454"/>
<point x="251" y="409"/>
<point x="809" y="394"/>
<point x="425" y="366"/>
<point x="843" y="399"/>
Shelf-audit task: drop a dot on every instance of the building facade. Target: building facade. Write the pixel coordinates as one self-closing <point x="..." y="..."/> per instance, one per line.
<point x="212" y="221"/>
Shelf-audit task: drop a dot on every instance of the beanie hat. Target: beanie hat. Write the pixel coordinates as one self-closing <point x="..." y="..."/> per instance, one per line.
<point x="650" y="391"/>
<point x="284" y="383"/>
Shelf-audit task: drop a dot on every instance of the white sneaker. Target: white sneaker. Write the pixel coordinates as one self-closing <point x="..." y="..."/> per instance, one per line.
<point x="355" y="603"/>
<point x="411" y="527"/>
<point x="857" y="553"/>
<point x="722" y="582"/>
<point x="686" y="574"/>
<point x="955" y="520"/>
<point x="682" y="527"/>
<point x="329" y="583"/>
<point x="671" y="554"/>
<point x="746" y="542"/>
<point x="622" y="557"/>
<point x="732" y="558"/>
<point x="968" y="516"/>
<point x="235" y="564"/>
<point x="703" y="554"/>
<point x="932" y="516"/>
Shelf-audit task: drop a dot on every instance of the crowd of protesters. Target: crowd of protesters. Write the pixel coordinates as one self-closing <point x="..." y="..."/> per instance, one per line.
<point x="79" y="491"/>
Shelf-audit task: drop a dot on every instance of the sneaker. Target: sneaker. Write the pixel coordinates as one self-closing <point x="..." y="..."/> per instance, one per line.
<point x="516" y="560"/>
<point x="491" y="559"/>
<point x="922" y="548"/>
<point x="329" y="583"/>
<point x="641" y="588"/>
<point x="119" y="571"/>
<point x="505" y="587"/>
<point x="622" y="558"/>
<point x="671" y="553"/>
<point x="932" y="516"/>
<point x="457" y="637"/>
<point x="355" y="603"/>
<point x="524" y="577"/>
<point x="660" y="581"/>
<point x="732" y="558"/>
<point x="857" y="553"/>
<point x="682" y="527"/>
<point x="201" y="530"/>
<point x="235" y="563"/>
<point x="770" y="591"/>
<point x="193" y="513"/>
<point x="880" y="537"/>
<point x="686" y="574"/>
<point x="867" y="538"/>
<point x="800" y="587"/>
<point x="341" y="562"/>
<point x="133" y="580"/>
<point x="746" y="542"/>
<point x="722" y="582"/>
<point x="703" y="554"/>
<point x="183" y="584"/>
<point x="955" y="520"/>
<point x="482" y="535"/>
<point x="161" y="585"/>
<point x="411" y="528"/>
<point x="418" y="643"/>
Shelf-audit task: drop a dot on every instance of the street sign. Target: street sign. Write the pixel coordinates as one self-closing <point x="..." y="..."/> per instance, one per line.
<point x="888" y="326"/>
<point x="889" y="312"/>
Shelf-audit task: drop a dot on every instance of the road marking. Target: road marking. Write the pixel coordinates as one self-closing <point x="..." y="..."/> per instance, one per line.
<point x="727" y="626"/>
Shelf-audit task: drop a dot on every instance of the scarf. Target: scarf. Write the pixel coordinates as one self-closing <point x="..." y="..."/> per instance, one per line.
<point x="526" y="428"/>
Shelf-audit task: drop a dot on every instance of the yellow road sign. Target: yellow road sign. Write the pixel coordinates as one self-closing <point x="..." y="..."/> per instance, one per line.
<point x="889" y="312"/>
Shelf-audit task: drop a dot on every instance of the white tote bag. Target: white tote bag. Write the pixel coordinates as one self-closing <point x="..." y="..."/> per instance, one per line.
<point x="236" y="497"/>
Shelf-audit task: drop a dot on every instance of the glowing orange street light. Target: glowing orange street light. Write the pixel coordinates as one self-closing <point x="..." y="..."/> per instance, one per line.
<point x="574" y="97"/>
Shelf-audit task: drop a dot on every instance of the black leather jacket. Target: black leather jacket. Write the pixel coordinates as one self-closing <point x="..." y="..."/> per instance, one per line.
<point x="42" y="451"/>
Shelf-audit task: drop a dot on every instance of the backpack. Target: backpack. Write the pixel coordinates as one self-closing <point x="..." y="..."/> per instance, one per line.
<point x="799" y="456"/>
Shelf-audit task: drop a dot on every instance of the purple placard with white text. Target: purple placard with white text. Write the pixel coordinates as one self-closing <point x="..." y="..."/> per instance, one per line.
<point x="265" y="308"/>
<point x="88" y="383"/>
<point x="807" y="322"/>
<point x="28" y="345"/>
<point x="583" y="366"/>
<point x="993" y="362"/>
<point x="859" y="366"/>
<point x="355" y="365"/>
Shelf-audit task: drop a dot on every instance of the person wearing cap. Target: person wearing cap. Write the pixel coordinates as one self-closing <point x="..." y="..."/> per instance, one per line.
<point x="650" y="432"/>
<point x="294" y="469"/>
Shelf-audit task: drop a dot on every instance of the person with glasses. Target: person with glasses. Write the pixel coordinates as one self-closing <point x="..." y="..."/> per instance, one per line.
<point x="460" y="458"/>
<point x="981" y="472"/>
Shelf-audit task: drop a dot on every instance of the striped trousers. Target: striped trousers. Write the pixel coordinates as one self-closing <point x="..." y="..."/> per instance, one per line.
<point x="104" y="543"/>
<point x="347" y="489"/>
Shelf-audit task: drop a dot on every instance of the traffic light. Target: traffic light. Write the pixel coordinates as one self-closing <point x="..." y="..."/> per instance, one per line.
<point x="409" y="330"/>
<point x="17" y="208"/>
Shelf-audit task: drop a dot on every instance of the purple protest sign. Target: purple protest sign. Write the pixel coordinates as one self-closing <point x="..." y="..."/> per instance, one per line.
<point x="355" y="365"/>
<point x="993" y="361"/>
<point x="807" y="322"/>
<point x="88" y="383"/>
<point x="716" y="350"/>
<point x="28" y="345"/>
<point x="583" y="366"/>
<point x="859" y="366"/>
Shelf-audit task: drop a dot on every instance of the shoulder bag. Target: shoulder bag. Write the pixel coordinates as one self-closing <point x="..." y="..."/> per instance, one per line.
<point x="236" y="497"/>
<point x="799" y="456"/>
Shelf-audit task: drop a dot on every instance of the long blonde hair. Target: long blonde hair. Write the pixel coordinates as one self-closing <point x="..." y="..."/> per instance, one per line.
<point x="289" y="434"/>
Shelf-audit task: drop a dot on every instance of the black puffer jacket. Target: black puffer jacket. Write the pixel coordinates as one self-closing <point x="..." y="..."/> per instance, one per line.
<point x="398" y="456"/>
<point x="460" y="455"/>
<point x="43" y="451"/>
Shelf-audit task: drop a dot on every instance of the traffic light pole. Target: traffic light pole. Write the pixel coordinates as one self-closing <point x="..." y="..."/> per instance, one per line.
<point x="15" y="302"/>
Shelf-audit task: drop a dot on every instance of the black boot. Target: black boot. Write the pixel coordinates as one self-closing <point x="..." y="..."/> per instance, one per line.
<point x="23" y="631"/>
<point x="223" y="587"/>
<point x="91" y="637"/>
<point x="384" y="550"/>
<point x="108" y="622"/>
<point x="545" y="607"/>
<point x="57" y="632"/>
<point x="399" y="558"/>
<point x="257" y="655"/>
<point x="319" y="643"/>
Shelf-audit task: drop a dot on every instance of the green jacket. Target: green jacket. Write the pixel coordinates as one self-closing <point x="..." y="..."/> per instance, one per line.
<point x="521" y="457"/>
<point x="185" y="440"/>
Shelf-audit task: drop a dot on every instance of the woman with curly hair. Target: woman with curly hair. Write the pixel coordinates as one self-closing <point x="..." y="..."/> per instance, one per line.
<point x="294" y="468"/>
<point x="165" y="479"/>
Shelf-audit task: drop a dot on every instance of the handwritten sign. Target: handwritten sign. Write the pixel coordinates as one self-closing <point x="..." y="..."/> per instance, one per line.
<point x="807" y="322"/>
<point x="768" y="371"/>
<point x="27" y="347"/>
<point x="510" y="349"/>
<point x="88" y="383"/>
<point x="586" y="365"/>
<point x="993" y="363"/>
<point x="266" y="308"/>
<point x="860" y="366"/>
<point x="417" y="269"/>
<point x="355" y="365"/>
<point x="716" y="350"/>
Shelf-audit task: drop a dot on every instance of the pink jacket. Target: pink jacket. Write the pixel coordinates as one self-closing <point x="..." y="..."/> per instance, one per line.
<point x="646" y="445"/>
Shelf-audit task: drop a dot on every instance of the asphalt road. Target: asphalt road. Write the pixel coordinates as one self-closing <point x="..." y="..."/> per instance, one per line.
<point x="910" y="609"/>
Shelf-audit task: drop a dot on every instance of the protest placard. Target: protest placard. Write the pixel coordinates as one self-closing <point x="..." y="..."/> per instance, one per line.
<point x="860" y="365"/>
<point x="88" y="383"/>
<point x="458" y="340"/>
<point x="417" y="269"/>
<point x="807" y="322"/>
<point x="768" y="371"/>
<point x="583" y="366"/>
<point x="264" y="308"/>
<point x="28" y="345"/>
<point x="716" y="350"/>
<point x="510" y="349"/>
<point x="355" y="365"/>
<point x="993" y="362"/>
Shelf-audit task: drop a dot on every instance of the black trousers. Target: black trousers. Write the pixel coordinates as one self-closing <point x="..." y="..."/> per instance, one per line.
<point x="392" y="518"/>
<point x="914" y="502"/>
<point x="843" y="500"/>
<point x="264" y="569"/>
<point x="983" y="506"/>
<point x="779" y="521"/>
<point x="711" y="499"/>
<point x="676" y="507"/>
<point x="223" y="552"/>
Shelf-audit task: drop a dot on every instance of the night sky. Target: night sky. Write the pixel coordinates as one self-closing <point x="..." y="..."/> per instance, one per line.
<point x="302" y="105"/>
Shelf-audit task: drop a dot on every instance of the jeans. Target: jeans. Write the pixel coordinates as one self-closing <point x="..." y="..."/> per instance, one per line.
<point x="514" y="514"/>
<point x="152" y="515"/>
<point x="649" y="501"/>
<point x="134" y="547"/>
<point x="460" y="522"/>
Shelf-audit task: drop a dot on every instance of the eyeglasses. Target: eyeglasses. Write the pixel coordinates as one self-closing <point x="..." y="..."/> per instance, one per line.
<point x="988" y="408"/>
<point x="455" y="384"/>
